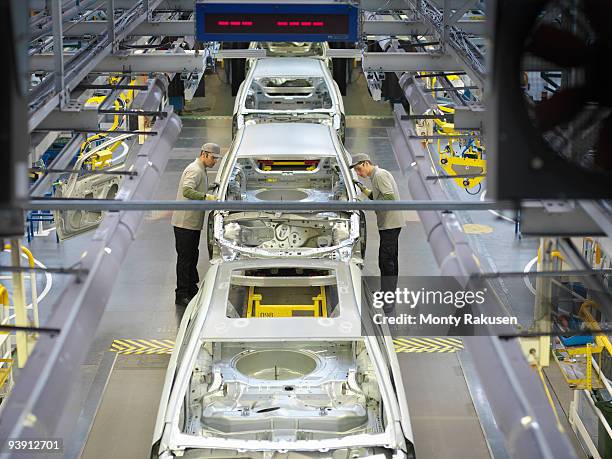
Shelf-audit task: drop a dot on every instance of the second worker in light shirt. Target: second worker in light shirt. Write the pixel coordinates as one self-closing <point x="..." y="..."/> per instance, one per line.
<point x="188" y="223"/>
<point x="389" y="222"/>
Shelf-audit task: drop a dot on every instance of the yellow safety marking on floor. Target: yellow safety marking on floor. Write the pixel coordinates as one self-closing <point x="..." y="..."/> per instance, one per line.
<point x="475" y="228"/>
<point x="430" y="345"/>
<point x="142" y="346"/>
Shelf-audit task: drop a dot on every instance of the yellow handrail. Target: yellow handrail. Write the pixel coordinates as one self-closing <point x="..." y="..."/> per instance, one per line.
<point x="26" y="252"/>
<point x="33" y="288"/>
<point x="4" y="296"/>
<point x="553" y="254"/>
<point x="590" y="322"/>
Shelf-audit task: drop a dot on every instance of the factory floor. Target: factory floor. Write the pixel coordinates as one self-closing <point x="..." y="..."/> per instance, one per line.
<point x="117" y="395"/>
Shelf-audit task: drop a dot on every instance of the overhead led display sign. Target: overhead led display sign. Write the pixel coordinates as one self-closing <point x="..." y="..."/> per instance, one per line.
<point x="276" y="22"/>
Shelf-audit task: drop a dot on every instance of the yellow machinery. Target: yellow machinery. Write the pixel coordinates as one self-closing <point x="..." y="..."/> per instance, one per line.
<point x="458" y="156"/>
<point x="255" y="308"/>
<point x="462" y="156"/>
<point x="576" y="362"/>
<point x="102" y="159"/>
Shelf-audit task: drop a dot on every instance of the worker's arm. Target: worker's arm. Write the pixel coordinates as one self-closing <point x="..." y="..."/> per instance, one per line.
<point x="363" y="189"/>
<point x="191" y="181"/>
<point x="383" y="182"/>
<point x="190" y="193"/>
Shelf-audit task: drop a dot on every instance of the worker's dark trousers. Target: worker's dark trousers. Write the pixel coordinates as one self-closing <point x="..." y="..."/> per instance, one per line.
<point x="387" y="259"/>
<point x="187" y="254"/>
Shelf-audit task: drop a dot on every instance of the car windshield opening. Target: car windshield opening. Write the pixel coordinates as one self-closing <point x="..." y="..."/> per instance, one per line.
<point x="288" y="93"/>
<point x="258" y="179"/>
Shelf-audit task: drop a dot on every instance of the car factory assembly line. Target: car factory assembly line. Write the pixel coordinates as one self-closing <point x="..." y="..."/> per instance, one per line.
<point x="393" y="219"/>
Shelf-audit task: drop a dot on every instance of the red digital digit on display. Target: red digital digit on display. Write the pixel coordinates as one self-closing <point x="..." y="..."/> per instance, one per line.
<point x="285" y="24"/>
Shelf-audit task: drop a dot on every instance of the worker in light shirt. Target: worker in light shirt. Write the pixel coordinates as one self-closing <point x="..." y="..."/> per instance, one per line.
<point x="188" y="224"/>
<point x="389" y="222"/>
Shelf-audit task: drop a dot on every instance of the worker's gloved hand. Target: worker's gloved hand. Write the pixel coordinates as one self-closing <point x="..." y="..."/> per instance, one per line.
<point x="213" y="186"/>
<point x="365" y="190"/>
<point x="211" y="197"/>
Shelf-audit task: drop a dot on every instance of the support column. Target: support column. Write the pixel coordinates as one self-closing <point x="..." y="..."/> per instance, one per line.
<point x="58" y="51"/>
<point x="543" y="306"/>
<point x="19" y="304"/>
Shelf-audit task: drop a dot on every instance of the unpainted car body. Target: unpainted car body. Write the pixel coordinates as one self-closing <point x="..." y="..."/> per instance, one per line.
<point x="291" y="49"/>
<point x="245" y="384"/>
<point x="286" y="162"/>
<point x="289" y="89"/>
<point x="88" y="184"/>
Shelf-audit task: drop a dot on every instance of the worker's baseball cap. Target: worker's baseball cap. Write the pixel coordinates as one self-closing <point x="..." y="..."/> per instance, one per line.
<point x="359" y="158"/>
<point x="211" y="148"/>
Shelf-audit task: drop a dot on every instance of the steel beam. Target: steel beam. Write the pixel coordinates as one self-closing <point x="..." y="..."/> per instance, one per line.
<point x="110" y="22"/>
<point x="79" y="68"/>
<point x="81" y="120"/>
<point x="38" y="399"/>
<point x="402" y="28"/>
<point x="188" y="5"/>
<point x="152" y="28"/>
<point x="189" y="61"/>
<point x="459" y="11"/>
<point x="58" y="51"/>
<point x="174" y="5"/>
<point x="187" y="28"/>
<point x="409" y="62"/>
<point x="455" y="4"/>
<point x="240" y="54"/>
<point x="344" y="53"/>
<point x="69" y="11"/>
<point x="384" y="5"/>
<point x="453" y="39"/>
<point x="95" y="205"/>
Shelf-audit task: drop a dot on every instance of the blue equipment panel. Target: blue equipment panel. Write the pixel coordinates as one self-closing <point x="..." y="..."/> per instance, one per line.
<point x="276" y="22"/>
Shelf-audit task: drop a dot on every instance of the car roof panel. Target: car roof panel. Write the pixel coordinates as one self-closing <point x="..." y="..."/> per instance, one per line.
<point x="287" y="140"/>
<point x="287" y="66"/>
